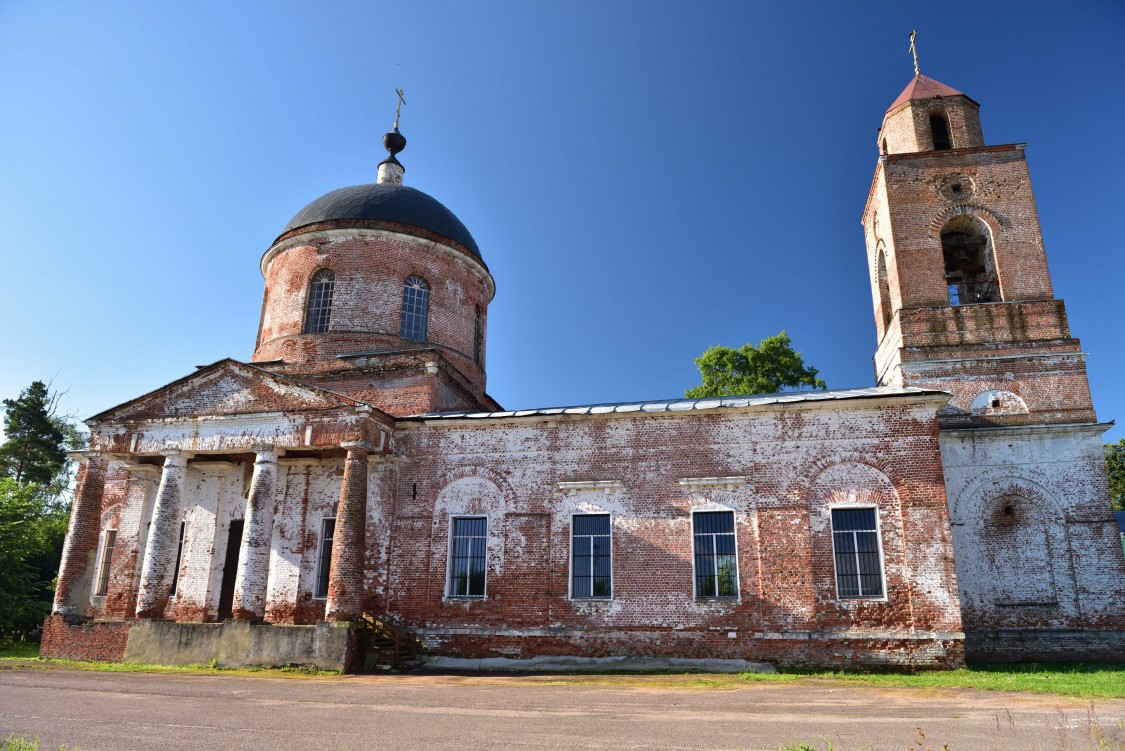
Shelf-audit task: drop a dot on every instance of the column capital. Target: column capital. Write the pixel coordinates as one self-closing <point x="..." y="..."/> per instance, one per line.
<point x="266" y="453"/>
<point x="85" y="455"/>
<point x="174" y="458"/>
<point x="367" y="446"/>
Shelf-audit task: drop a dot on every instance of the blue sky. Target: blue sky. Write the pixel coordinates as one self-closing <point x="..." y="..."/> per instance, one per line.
<point x="644" y="179"/>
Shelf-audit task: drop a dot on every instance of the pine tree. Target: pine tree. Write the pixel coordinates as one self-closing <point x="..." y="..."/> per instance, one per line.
<point x="33" y="451"/>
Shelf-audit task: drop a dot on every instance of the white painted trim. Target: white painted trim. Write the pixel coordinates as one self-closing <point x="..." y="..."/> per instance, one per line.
<point x="878" y="538"/>
<point x="606" y="485"/>
<point x="449" y="558"/>
<point x="570" y="563"/>
<point x="1080" y="428"/>
<point x="711" y="508"/>
<point x="313" y="238"/>
<point x="730" y="483"/>
<point x="1029" y="356"/>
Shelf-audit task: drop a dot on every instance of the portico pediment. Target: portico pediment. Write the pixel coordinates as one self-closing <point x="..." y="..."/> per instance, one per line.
<point x="227" y="388"/>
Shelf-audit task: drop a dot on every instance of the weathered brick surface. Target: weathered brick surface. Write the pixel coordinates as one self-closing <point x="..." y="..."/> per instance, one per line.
<point x="87" y="641"/>
<point x="992" y="505"/>
<point x="370" y="267"/>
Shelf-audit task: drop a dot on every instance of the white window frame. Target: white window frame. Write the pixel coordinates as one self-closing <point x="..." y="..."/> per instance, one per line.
<point x="737" y="571"/>
<point x="103" y="563"/>
<point x="570" y="565"/>
<point x="449" y="558"/>
<point x="320" y="557"/>
<point x="879" y="539"/>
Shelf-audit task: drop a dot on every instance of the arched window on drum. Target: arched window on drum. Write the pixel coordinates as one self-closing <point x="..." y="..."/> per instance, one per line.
<point x="415" y="309"/>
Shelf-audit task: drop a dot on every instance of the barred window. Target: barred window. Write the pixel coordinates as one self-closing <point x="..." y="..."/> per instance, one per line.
<point x="318" y="308"/>
<point x="855" y="545"/>
<point x="415" y="309"/>
<point x="108" y="544"/>
<point x="179" y="559"/>
<point x="467" y="556"/>
<point x="590" y="551"/>
<point x="324" y="557"/>
<point x="716" y="566"/>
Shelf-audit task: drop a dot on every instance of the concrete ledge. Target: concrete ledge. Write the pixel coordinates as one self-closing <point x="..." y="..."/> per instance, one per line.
<point x="240" y="644"/>
<point x="596" y="664"/>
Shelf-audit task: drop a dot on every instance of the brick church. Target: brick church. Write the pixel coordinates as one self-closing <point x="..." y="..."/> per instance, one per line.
<point x="354" y="483"/>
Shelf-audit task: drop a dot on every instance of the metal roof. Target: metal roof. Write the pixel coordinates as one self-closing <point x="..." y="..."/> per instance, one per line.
<point x="686" y="405"/>
<point x="922" y="87"/>
<point x="386" y="202"/>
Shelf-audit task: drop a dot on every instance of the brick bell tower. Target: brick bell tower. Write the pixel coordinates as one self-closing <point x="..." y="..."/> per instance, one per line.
<point x="963" y="303"/>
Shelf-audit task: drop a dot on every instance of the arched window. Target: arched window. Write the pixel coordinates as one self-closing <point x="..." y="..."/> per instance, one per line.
<point x="478" y="337"/>
<point x="970" y="268"/>
<point x="939" y="129"/>
<point x="415" y="309"/>
<point x="318" y="308"/>
<point x="884" y="290"/>
<point x="884" y="146"/>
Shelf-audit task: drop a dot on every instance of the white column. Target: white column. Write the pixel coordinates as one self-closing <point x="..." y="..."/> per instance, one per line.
<point x="254" y="558"/>
<point x="163" y="535"/>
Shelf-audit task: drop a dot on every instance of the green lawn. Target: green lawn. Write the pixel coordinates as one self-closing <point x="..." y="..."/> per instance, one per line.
<point x="1087" y="681"/>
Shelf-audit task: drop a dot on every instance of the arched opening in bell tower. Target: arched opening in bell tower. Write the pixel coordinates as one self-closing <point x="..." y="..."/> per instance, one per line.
<point x="970" y="267"/>
<point x="939" y="129"/>
<point x="884" y="289"/>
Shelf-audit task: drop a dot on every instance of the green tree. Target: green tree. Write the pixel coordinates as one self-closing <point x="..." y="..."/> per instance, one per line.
<point x="770" y="367"/>
<point x="33" y="450"/>
<point x="1115" y="468"/>
<point x="22" y="601"/>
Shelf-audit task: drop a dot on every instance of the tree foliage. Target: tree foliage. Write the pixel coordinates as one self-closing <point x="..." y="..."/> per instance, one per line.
<point x="34" y="475"/>
<point x="1115" y="468"/>
<point x="33" y="450"/>
<point x="768" y="368"/>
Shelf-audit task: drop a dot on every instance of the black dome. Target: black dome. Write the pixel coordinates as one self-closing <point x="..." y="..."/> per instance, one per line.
<point x="386" y="202"/>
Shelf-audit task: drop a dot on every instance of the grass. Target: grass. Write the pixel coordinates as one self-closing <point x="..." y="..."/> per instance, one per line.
<point x="1081" y="680"/>
<point x="19" y="656"/>
<point x="1086" y="681"/>
<point x="23" y="744"/>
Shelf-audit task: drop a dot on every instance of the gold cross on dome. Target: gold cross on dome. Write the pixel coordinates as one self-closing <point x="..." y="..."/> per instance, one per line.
<point x="914" y="51"/>
<point x="402" y="101"/>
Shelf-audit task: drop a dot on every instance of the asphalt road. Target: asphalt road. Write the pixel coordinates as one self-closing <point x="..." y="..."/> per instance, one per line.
<point x="142" y="711"/>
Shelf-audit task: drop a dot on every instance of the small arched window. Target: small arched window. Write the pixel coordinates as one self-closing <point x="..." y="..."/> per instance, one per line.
<point x="939" y="129"/>
<point x="318" y="308"/>
<point x="884" y="146"/>
<point x="478" y="337"/>
<point x="415" y="309"/>
<point x="884" y="290"/>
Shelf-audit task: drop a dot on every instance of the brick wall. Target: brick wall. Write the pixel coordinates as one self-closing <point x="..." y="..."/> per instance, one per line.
<point x="88" y="641"/>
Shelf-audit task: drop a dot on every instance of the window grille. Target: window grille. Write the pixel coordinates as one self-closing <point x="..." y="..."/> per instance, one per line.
<point x="467" y="557"/>
<point x="855" y="544"/>
<point x="179" y="559"/>
<point x="590" y="548"/>
<point x="716" y="565"/>
<point x="107" y="561"/>
<point x="415" y="309"/>
<point x="318" y="309"/>
<point x="324" y="559"/>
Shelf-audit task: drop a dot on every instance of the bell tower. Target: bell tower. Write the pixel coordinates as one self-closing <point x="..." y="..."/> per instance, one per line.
<point x="962" y="293"/>
<point x="963" y="303"/>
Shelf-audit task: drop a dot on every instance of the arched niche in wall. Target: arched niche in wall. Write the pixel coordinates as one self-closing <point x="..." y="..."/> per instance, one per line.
<point x="997" y="402"/>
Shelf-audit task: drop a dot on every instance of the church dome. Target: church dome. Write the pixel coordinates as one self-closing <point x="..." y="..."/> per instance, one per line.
<point x="386" y="202"/>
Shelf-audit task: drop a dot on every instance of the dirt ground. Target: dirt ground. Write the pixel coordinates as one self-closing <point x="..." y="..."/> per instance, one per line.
<point x="98" y="711"/>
